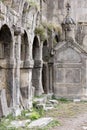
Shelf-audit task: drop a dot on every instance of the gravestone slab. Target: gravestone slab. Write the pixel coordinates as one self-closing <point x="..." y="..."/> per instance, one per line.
<point x="17" y="124"/>
<point x="42" y="122"/>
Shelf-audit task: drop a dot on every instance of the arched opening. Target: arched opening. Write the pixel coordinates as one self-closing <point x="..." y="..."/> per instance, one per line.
<point x="45" y="54"/>
<point x="24" y="47"/>
<point x="5" y="54"/>
<point x="45" y="73"/>
<point x="56" y="40"/>
<point x="36" y="50"/>
<point x="5" y="42"/>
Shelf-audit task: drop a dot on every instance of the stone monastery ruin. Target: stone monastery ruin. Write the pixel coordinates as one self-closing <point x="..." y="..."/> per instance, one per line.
<point x="43" y="50"/>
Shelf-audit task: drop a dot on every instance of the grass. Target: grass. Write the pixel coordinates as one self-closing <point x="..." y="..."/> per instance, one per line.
<point x="67" y="109"/>
<point x="64" y="110"/>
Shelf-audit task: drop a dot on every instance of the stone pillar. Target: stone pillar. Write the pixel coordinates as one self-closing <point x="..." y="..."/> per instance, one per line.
<point x="29" y="63"/>
<point x="30" y="89"/>
<point x="12" y="70"/>
<point x="18" y="31"/>
<point x="17" y="69"/>
<point x="37" y="73"/>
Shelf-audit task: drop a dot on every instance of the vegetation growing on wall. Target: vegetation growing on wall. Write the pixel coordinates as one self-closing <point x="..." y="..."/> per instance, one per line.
<point x="52" y="27"/>
<point x="47" y="27"/>
<point x="41" y="32"/>
<point x="33" y="3"/>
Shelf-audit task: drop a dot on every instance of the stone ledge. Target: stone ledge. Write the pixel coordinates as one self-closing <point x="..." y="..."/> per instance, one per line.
<point x="27" y="64"/>
<point x="6" y="64"/>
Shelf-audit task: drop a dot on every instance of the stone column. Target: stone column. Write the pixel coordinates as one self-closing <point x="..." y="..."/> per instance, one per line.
<point x="37" y="73"/>
<point x="30" y="89"/>
<point x="18" y="31"/>
<point x="12" y="70"/>
<point x="17" y="69"/>
<point x="29" y="63"/>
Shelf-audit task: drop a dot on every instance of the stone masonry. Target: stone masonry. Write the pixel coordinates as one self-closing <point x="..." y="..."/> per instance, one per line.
<point x="43" y="50"/>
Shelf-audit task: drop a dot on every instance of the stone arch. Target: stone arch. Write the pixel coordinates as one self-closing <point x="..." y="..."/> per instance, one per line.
<point x="36" y="48"/>
<point x="17" y="4"/>
<point x="5" y="55"/>
<point x="45" y="51"/>
<point x="5" y="42"/>
<point x="24" y="13"/>
<point x="24" y="47"/>
<point x="57" y="38"/>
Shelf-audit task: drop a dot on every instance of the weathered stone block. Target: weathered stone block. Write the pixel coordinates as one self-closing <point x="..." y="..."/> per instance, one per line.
<point x="4" y="110"/>
<point x="40" y="122"/>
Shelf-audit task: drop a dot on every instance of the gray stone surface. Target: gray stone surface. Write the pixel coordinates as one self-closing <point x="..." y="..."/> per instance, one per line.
<point x="40" y="122"/>
<point x="26" y="60"/>
<point x="17" y="124"/>
<point x="4" y="110"/>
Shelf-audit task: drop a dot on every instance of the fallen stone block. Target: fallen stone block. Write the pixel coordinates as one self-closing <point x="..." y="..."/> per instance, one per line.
<point x="40" y="100"/>
<point x="84" y="127"/>
<point x="42" y="122"/>
<point x="17" y="124"/>
<point x="55" y="102"/>
<point x="76" y="100"/>
<point x="4" y="110"/>
<point x="40" y="106"/>
<point x="48" y="108"/>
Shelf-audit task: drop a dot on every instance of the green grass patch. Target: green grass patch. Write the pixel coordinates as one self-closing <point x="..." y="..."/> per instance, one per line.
<point x="64" y="100"/>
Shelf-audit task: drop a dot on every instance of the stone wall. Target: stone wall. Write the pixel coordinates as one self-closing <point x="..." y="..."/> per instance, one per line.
<point x="27" y="61"/>
<point x="18" y="20"/>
